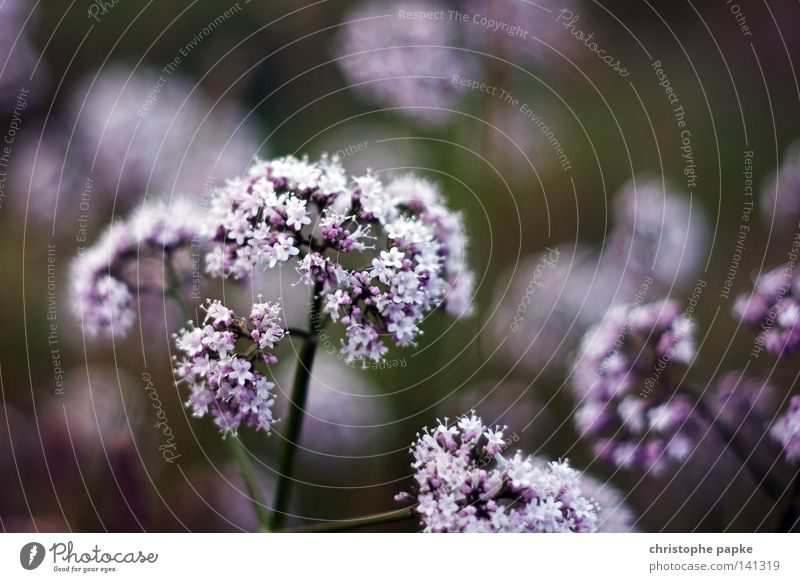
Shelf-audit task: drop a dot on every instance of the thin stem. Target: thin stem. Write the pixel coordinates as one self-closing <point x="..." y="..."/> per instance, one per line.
<point x="250" y="482"/>
<point x="175" y="291"/>
<point x="740" y="449"/>
<point x="302" y="380"/>
<point x="349" y="524"/>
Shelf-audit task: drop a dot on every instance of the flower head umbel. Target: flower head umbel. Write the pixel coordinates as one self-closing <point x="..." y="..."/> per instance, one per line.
<point x="129" y="256"/>
<point x="465" y="484"/>
<point x="408" y="248"/>
<point x="402" y="63"/>
<point x="221" y="378"/>
<point x="773" y="308"/>
<point x="787" y="431"/>
<point x="625" y="399"/>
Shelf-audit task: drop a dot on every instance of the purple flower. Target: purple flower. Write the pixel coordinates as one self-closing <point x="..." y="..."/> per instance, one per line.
<point x="626" y="402"/>
<point x="773" y="308"/>
<point x="128" y="257"/>
<point x="124" y="134"/>
<point x="223" y="380"/>
<point x="517" y="29"/>
<point x="465" y="484"/>
<point x="312" y="214"/>
<point x="402" y="62"/>
<point x="786" y="431"/>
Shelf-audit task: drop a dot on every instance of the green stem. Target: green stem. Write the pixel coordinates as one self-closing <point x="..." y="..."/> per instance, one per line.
<point x="175" y="291"/>
<point x="250" y="483"/>
<point x="349" y="524"/>
<point x="302" y="380"/>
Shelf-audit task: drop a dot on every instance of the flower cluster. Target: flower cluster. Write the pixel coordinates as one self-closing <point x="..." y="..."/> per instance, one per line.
<point x="129" y="256"/>
<point x="114" y="142"/>
<point x="625" y="400"/>
<point x="310" y="212"/>
<point x="465" y="484"/>
<point x="787" y="430"/>
<point x="403" y="64"/>
<point x="221" y="379"/>
<point x="773" y="308"/>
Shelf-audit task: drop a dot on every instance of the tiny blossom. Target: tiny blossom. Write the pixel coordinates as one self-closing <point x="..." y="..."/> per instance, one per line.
<point x="786" y="431"/>
<point x="223" y="381"/>
<point x="405" y="65"/>
<point x="106" y="276"/>
<point x="625" y="401"/>
<point x="285" y="210"/>
<point x="465" y="484"/>
<point x="773" y="308"/>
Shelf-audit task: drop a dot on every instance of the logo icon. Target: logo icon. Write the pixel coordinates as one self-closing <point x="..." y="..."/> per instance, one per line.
<point x="31" y="555"/>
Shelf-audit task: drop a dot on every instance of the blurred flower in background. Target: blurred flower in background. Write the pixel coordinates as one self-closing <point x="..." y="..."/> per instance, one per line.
<point x="17" y="55"/>
<point x="124" y="134"/>
<point x="395" y="55"/>
<point x="657" y="232"/>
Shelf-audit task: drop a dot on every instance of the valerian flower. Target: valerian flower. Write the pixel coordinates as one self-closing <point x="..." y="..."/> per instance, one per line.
<point x="465" y="484"/>
<point x="626" y="400"/>
<point x="130" y="256"/>
<point x="409" y="248"/>
<point x="223" y="378"/>
<point x="786" y="431"/>
<point x="408" y="65"/>
<point x="773" y="308"/>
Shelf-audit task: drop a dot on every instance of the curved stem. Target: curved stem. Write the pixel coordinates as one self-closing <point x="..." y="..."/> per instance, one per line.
<point x="349" y="524"/>
<point x="250" y="482"/>
<point x="302" y="380"/>
<point x="174" y="288"/>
